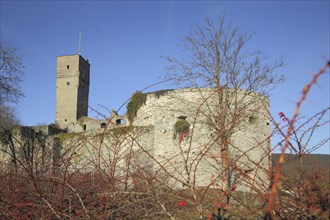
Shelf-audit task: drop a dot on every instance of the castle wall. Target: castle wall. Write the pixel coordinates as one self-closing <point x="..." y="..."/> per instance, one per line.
<point x="194" y="157"/>
<point x="192" y="154"/>
<point x="89" y="124"/>
<point x="26" y="145"/>
<point x="249" y="148"/>
<point x="117" y="152"/>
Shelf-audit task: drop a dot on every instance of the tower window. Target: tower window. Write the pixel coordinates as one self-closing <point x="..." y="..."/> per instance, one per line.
<point x="103" y="125"/>
<point x="67" y="66"/>
<point x="68" y="83"/>
<point x="253" y="119"/>
<point x="85" y="127"/>
<point x="119" y="121"/>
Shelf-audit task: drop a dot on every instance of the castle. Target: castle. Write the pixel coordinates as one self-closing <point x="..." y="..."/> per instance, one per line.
<point x="169" y="132"/>
<point x="72" y="90"/>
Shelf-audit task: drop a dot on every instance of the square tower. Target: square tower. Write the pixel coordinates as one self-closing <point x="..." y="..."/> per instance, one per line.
<point x="72" y="89"/>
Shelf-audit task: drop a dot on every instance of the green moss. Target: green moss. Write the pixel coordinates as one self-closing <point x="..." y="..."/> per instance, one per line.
<point x="82" y="120"/>
<point x="5" y="137"/>
<point x="77" y="159"/>
<point x="64" y="136"/>
<point x="181" y="126"/>
<point x="137" y="100"/>
<point x="160" y="93"/>
<point x="121" y="130"/>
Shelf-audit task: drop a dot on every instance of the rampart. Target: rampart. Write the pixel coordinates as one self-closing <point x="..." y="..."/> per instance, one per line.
<point x="174" y="133"/>
<point x="195" y="155"/>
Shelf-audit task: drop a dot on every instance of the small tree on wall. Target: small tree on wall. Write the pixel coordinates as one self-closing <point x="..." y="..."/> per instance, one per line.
<point x="181" y="128"/>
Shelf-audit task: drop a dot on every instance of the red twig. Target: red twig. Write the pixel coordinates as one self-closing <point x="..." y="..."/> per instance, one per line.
<point x="271" y="197"/>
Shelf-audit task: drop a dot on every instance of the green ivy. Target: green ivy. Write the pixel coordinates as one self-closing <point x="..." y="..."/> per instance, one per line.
<point x="181" y="126"/>
<point x="137" y="100"/>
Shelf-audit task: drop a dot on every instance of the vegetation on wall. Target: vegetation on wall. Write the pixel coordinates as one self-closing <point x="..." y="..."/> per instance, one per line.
<point x="5" y="137"/>
<point x="65" y="136"/>
<point x="160" y="93"/>
<point x="138" y="99"/>
<point x="181" y="127"/>
<point x="80" y="122"/>
<point x="121" y="130"/>
<point x="133" y="106"/>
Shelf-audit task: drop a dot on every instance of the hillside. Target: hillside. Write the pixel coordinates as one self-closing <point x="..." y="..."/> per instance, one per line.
<point x="312" y="162"/>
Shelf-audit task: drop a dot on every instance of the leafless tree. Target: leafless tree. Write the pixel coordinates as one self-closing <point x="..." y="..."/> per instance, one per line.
<point x="11" y="67"/>
<point x="11" y="73"/>
<point x="218" y="57"/>
<point x="8" y="118"/>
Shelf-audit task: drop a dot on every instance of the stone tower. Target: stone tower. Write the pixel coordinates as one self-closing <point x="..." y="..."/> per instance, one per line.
<point x="72" y="89"/>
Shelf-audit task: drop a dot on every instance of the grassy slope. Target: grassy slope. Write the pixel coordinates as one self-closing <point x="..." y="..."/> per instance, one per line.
<point x="311" y="163"/>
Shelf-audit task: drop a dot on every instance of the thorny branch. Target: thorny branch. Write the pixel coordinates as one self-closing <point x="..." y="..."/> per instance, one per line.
<point x="275" y="181"/>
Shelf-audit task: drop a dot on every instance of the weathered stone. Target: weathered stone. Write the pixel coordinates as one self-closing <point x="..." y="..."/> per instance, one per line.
<point x="190" y="156"/>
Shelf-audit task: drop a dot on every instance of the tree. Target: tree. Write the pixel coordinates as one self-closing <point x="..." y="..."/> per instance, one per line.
<point x="8" y="117"/>
<point x="11" y="73"/>
<point x="218" y="57"/>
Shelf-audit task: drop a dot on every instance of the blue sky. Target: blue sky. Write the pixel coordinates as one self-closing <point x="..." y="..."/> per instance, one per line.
<point x="124" y="42"/>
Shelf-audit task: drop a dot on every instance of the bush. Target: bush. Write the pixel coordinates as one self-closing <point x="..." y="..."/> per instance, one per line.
<point x="137" y="100"/>
<point x="181" y="126"/>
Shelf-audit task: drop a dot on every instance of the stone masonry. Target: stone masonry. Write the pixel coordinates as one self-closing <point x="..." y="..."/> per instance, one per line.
<point x="151" y="140"/>
<point x="72" y="89"/>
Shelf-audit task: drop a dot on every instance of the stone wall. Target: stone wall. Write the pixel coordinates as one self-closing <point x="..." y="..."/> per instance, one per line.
<point x="192" y="156"/>
<point x="89" y="124"/>
<point x="196" y="157"/>
<point x="72" y="89"/>
<point x="25" y="145"/>
<point x="117" y="153"/>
